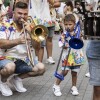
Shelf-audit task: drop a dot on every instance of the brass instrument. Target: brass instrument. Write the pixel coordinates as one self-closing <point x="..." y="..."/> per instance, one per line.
<point x="38" y="34"/>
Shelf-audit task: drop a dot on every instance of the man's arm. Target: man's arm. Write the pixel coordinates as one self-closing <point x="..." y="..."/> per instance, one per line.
<point x="7" y="44"/>
<point x="55" y="3"/>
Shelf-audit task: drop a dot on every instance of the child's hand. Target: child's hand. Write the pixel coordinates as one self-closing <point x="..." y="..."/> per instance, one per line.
<point x="66" y="46"/>
<point x="63" y="38"/>
<point x="72" y="34"/>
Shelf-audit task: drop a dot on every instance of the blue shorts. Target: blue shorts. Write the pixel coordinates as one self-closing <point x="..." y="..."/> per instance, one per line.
<point x="72" y="68"/>
<point x="50" y="34"/>
<point x="4" y="62"/>
<point x="21" y="66"/>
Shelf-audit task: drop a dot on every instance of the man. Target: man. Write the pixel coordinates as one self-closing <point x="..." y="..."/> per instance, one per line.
<point x="13" y="52"/>
<point x="39" y="10"/>
<point x="93" y="55"/>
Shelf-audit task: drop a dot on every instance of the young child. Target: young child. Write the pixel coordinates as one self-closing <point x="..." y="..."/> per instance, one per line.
<point x="69" y="22"/>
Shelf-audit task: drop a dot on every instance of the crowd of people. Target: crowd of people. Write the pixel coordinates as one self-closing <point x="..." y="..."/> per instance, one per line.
<point x="64" y="18"/>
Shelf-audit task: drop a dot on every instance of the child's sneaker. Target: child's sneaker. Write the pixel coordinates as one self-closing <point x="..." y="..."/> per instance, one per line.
<point x="74" y="91"/>
<point x="56" y="90"/>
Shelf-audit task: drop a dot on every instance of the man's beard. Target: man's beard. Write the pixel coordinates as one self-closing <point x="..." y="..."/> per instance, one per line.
<point x="19" y="23"/>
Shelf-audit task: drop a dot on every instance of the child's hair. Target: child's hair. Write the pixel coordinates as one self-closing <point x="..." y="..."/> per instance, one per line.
<point x="70" y="17"/>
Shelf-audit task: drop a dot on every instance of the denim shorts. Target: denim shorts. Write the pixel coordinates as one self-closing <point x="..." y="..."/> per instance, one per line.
<point x="21" y="66"/>
<point x="4" y="62"/>
<point x="94" y="69"/>
<point x="72" y="68"/>
<point x="93" y="55"/>
<point x="50" y="34"/>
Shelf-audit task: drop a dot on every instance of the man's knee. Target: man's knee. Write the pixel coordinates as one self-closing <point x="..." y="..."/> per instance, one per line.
<point x="8" y="69"/>
<point x="41" y="68"/>
<point x="37" y="70"/>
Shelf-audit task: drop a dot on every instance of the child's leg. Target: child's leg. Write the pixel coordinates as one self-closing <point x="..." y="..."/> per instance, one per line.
<point x="74" y="71"/>
<point x="56" y="87"/>
<point x="58" y="81"/>
<point x="74" y="78"/>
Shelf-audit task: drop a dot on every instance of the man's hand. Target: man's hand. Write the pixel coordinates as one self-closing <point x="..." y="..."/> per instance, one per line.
<point x="22" y="39"/>
<point x="28" y="25"/>
<point x="54" y="3"/>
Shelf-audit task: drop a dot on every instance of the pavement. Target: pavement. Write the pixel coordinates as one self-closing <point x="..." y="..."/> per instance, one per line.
<point x="40" y="88"/>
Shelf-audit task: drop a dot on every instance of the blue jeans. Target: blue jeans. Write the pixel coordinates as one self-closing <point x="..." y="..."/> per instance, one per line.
<point x="21" y="66"/>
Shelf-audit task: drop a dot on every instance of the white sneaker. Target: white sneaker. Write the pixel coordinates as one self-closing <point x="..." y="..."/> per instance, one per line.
<point x="17" y="83"/>
<point x="5" y="90"/>
<point x="56" y="90"/>
<point x="74" y="91"/>
<point x="50" y="60"/>
<point x="87" y="74"/>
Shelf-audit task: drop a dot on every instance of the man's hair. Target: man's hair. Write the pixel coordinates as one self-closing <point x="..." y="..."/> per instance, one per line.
<point x="21" y="5"/>
<point x="70" y="17"/>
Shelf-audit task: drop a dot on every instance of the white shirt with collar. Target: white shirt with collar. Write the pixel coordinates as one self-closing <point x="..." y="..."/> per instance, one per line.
<point x="18" y="51"/>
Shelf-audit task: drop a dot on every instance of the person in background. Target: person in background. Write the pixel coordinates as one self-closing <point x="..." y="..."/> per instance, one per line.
<point x="60" y="16"/>
<point x="40" y="12"/>
<point x="92" y="5"/>
<point x="3" y="11"/>
<point x="93" y="56"/>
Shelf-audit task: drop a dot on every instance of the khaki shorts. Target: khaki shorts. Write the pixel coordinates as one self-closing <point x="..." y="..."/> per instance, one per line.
<point x="50" y="34"/>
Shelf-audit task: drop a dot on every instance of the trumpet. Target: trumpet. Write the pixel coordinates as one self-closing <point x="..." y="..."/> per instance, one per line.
<point x="38" y="34"/>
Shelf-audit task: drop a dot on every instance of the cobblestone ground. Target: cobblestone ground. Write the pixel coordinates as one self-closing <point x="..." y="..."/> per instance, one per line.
<point x="40" y="88"/>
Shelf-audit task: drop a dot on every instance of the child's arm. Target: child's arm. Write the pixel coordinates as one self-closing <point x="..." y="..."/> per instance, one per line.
<point x="63" y="42"/>
<point x="81" y="35"/>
